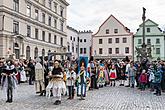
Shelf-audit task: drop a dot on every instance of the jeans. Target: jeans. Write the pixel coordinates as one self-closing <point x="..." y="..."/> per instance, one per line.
<point x="71" y="91"/>
<point x="158" y="88"/>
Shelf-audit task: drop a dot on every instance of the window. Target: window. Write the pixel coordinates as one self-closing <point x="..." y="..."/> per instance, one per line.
<point x="68" y="48"/>
<point x="61" y="41"/>
<point x="110" y="50"/>
<point x="55" y="39"/>
<point x="62" y="25"/>
<point x="28" y="53"/>
<point x="100" y="51"/>
<point x="76" y="49"/>
<point x="35" y="53"/>
<point x="107" y="31"/>
<point x="148" y="41"/>
<point x="127" y="50"/>
<point x="49" y="21"/>
<point x="115" y="31"/>
<point x="36" y="33"/>
<point x="43" y="17"/>
<point x="124" y="40"/>
<point x="148" y="29"/>
<point x="49" y="38"/>
<point x="16" y="5"/>
<point x="55" y="23"/>
<point x="72" y="47"/>
<point x="28" y="10"/>
<point x="61" y="11"/>
<point x="74" y="39"/>
<point x="117" y="40"/>
<point x="157" y="41"/>
<point x="15" y="27"/>
<point x="55" y="7"/>
<point x="85" y="50"/>
<point x="85" y="40"/>
<point x="43" y="35"/>
<point x="110" y="40"/>
<point x="80" y="40"/>
<point x="117" y="50"/>
<point x="28" y="31"/>
<point x="43" y="52"/>
<point x="139" y="41"/>
<point x="100" y="41"/>
<point x="50" y="4"/>
<point x="81" y="50"/>
<point x="70" y="37"/>
<point x="36" y="14"/>
<point x="157" y="50"/>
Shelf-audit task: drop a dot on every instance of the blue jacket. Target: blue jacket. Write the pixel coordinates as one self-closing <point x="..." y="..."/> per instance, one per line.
<point x="158" y="76"/>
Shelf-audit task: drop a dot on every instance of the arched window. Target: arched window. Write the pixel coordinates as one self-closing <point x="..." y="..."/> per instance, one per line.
<point x="36" y="52"/>
<point x="28" y="53"/>
<point x="16" y="50"/>
<point x="43" y="52"/>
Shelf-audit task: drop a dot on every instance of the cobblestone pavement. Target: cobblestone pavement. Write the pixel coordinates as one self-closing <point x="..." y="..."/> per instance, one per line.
<point x="107" y="98"/>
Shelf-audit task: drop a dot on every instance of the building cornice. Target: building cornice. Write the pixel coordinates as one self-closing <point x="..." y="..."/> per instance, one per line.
<point x="72" y="29"/>
<point x="131" y="35"/>
<point x="31" y="20"/>
<point x="149" y="35"/>
<point x="64" y="2"/>
<point x="44" y="8"/>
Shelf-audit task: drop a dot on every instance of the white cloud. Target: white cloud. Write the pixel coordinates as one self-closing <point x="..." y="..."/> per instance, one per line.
<point x="90" y="14"/>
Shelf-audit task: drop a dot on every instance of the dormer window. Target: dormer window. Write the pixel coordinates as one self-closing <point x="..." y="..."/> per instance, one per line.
<point x="115" y="31"/>
<point x="148" y="29"/>
<point x="107" y="31"/>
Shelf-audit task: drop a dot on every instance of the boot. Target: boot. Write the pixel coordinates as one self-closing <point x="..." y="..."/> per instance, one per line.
<point x="111" y="84"/>
<point x="114" y="85"/>
<point x="132" y="86"/>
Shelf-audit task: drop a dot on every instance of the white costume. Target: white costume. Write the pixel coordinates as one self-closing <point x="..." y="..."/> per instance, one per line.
<point x="39" y="78"/>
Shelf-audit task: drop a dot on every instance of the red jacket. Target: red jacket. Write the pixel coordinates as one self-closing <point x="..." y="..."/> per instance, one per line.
<point x="143" y="78"/>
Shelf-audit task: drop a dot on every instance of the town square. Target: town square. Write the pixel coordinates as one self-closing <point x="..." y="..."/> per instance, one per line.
<point x="82" y="55"/>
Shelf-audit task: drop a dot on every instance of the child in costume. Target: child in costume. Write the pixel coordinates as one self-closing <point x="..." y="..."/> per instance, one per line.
<point x="82" y="82"/>
<point x="143" y="80"/>
<point x="101" y="76"/>
<point x="70" y="81"/>
<point x="113" y="75"/>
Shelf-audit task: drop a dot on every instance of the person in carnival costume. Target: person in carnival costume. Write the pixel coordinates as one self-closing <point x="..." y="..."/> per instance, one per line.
<point x="101" y="76"/>
<point x="9" y="80"/>
<point x="39" y="77"/>
<point x="56" y="83"/>
<point x="82" y="80"/>
<point x="113" y="75"/>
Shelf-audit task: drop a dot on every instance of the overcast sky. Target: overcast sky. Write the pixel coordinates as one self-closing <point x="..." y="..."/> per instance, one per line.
<point x="90" y="14"/>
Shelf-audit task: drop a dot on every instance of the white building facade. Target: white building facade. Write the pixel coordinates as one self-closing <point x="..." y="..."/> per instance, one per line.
<point x="112" y="41"/>
<point x="72" y="42"/>
<point x="79" y="43"/>
<point x="85" y="43"/>
<point x="32" y="28"/>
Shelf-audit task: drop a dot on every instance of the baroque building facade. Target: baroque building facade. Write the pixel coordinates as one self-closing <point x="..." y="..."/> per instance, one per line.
<point x="32" y="28"/>
<point x="154" y="39"/>
<point x="112" y="41"/>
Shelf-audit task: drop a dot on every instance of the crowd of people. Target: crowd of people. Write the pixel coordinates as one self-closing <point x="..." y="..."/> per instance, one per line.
<point x="67" y="78"/>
